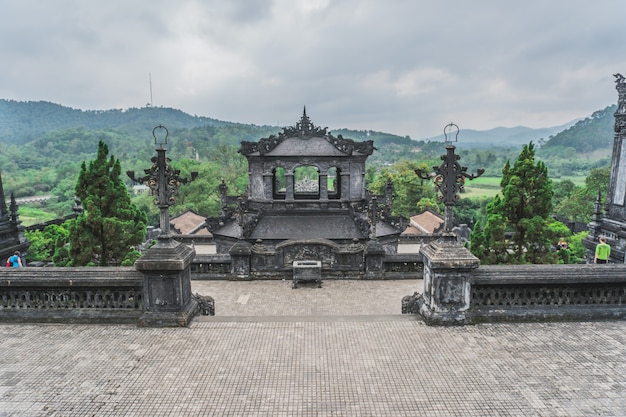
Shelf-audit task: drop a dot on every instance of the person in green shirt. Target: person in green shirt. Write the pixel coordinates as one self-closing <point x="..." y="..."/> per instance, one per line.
<point x="603" y="251"/>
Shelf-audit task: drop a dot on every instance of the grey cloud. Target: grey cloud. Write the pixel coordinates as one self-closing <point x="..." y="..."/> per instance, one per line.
<point x="404" y="67"/>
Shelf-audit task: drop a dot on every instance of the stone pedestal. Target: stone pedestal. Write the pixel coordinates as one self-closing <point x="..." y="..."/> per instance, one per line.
<point x="167" y="297"/>
<point x="240" y="255"/>
<point x="447" y="286"/>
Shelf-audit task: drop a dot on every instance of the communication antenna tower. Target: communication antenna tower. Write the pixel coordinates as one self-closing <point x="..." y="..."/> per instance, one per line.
<point x="150" y="79"/>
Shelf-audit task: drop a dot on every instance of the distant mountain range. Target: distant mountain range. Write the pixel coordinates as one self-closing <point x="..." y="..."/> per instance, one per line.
<point x="504" y="136"/>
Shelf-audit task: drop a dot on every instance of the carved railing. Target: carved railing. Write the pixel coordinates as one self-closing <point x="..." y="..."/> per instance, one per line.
<point x="541" y="292"/>
<point x="75" y="295"/>
<point x="403" y="266"/>
<point x="211" y="267"/>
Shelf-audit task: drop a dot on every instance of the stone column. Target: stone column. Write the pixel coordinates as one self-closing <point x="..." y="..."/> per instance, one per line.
<point x="448" y="266"/>
<point x="345" y="186"/>
<point x="289" y="187"/>
<point x="167" y="297"/>
<point x="323" y="181"/>
<point x="268" y="186"/>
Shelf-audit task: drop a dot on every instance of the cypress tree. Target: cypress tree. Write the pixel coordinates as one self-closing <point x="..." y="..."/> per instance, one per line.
<point x="111" y="225"/>
<point x="524" y="210"/>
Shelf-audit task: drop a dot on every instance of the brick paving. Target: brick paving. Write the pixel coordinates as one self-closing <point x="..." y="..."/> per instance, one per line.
<point x="342" y="350"/>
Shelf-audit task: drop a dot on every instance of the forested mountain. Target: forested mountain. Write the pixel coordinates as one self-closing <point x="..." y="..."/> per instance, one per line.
<point x="70" y="131"/>
<point x="588" y="134"/>
<point x="42" y="134"/>
<point x="22" y="122"/>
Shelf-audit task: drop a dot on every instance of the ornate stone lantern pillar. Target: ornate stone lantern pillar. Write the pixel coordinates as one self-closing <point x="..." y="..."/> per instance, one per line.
<point x="447" y="263"/>
<point x="167" y="297"/>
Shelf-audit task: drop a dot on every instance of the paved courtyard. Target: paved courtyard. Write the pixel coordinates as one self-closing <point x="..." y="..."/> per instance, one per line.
<point x="342" y="350"/>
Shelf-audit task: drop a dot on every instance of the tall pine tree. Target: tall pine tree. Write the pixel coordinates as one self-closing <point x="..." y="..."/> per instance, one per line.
<point x="111" y="225"/>
<point x="522" y="212"/>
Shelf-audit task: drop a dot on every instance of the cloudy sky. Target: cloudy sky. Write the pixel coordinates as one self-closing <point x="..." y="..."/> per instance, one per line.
<point x="407" y="67"/>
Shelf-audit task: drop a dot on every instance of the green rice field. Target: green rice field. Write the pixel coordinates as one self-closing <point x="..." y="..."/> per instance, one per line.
<point x="490" y="186"/>
<point x="482" y="187"/>
<point x="32" y="215"/>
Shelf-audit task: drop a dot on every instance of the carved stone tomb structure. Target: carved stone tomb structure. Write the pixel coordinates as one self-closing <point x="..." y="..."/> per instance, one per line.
<point x="306" y="201"/>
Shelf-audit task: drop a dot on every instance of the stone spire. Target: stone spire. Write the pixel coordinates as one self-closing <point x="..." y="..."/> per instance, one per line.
<point x="305" y="126"/>
<point x="15" y="217"/>
<point x="616" y="197"/>
<point x="596" y="220"/>
<point x="3" y="203"/>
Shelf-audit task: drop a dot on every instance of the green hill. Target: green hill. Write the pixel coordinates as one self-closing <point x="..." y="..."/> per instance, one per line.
<point x="23" y="122"/>
<point x="587" y="135"/>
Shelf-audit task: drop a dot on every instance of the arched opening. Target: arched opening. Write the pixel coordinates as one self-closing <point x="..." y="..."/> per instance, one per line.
<point x="306" y="183"/>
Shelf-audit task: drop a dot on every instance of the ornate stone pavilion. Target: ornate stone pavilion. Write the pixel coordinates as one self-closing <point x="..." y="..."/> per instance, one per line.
<point x="11" y="231"/>
<point x="306" y="200"/>
<point x="610" y="222"/>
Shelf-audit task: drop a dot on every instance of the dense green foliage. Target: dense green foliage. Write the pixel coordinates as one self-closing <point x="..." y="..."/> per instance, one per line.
<point x="576" y="202"/>
<point x="49" y="244"/>
<point x="411" y="194"/>
<point x="518" y="228"/>
<point x="111" y="225"/>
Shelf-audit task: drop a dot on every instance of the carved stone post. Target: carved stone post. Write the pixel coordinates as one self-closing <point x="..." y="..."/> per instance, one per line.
<point x="448" y="266"/>
<point x="374" y="257"/>
<point x="240" y="255"/>
<point x="374" y="251"/>
<point x="167" y="297"/>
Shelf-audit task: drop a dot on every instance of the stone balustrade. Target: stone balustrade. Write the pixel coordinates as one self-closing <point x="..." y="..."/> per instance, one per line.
<point x="547" y="292"/>
<point x="464" y="293"/>
<point x="70" y="295"/>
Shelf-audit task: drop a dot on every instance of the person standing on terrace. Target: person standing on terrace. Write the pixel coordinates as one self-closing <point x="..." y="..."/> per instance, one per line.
<point x="603" y="251"/>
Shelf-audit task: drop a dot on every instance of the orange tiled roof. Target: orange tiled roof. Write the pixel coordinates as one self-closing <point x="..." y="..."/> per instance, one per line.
<point x="427" y="222"/>
<point x="189" y="223"/>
